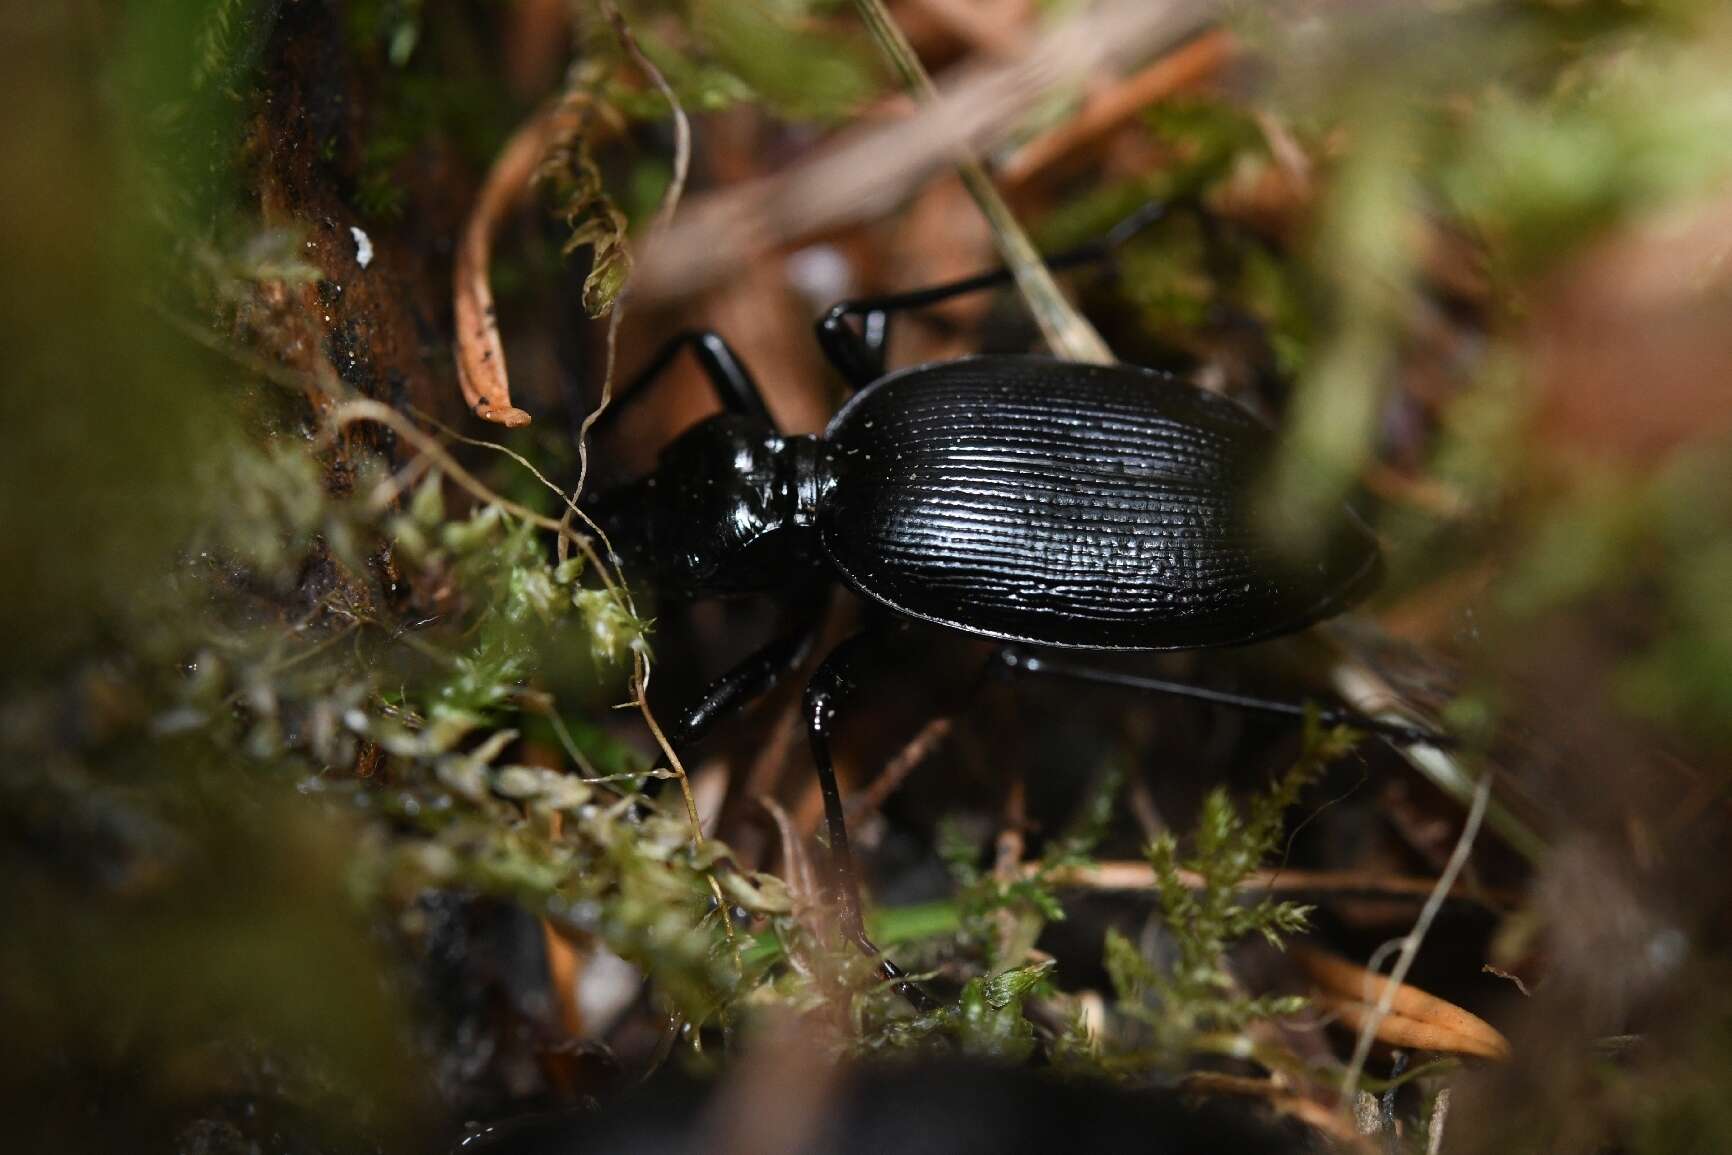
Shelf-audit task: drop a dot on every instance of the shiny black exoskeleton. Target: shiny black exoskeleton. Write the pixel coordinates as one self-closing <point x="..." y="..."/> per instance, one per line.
<point x="1096" y="507"/>
<point x="1023" y="499"/>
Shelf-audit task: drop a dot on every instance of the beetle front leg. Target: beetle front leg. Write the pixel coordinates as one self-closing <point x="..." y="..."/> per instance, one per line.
<point x="833" y="682"/>
<point x="755" y="675"/>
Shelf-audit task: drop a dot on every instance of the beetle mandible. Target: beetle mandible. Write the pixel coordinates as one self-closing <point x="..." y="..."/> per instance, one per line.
<point x="1030" y="501"/>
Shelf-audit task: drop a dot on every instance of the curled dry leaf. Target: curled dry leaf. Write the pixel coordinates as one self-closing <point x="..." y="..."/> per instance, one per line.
<point x="1416" y="1019"/>
<point x="554" y="145"/>
<point x="480" y="353"/>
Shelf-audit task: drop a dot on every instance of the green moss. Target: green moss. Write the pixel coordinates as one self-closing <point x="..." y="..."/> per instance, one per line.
<point x="1193" y="1003"/>
<point x="786" y="55"/>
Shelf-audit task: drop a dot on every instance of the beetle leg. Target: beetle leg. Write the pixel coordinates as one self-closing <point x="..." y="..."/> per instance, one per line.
<point x="859" y="356"/>
<point x="1014" y="659"/>
<point x="756" y="675"/>
<point x="833" y="681"/>
<point x="728" y="376"/>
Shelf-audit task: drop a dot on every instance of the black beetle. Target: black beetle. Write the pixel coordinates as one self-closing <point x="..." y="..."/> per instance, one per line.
<point x="1023" y="499"/>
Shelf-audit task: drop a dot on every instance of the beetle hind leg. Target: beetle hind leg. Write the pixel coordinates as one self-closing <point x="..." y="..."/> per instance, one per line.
<point x="1016" y="660"/>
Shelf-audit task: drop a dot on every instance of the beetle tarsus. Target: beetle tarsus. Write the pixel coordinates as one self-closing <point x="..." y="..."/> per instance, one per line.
<point x="922" y="1002"/>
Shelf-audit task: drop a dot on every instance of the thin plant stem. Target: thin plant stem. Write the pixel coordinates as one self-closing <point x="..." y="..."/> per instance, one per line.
<point x="1065" y="330"/>
<point x="1411" y="942"/>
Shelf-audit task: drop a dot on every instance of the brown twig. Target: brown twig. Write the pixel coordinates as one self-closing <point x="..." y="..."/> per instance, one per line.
<point x="1067" y="333"/>
<point x="563" y="968"/>
<point x="765" y="772"/>
<point x="1140" y="876"/>
<point x="1104" y="113"/>
<point x="1287" y="1102"/>
<point x="867" y="172"/>
<point x="1438" y="498"/>
<point x="1439" y="1118"/>
<point x="1488" y="969"/>
<point x="897" y="769"/>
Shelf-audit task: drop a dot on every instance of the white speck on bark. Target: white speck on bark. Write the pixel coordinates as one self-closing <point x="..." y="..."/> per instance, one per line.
<point x="363" y="246"/>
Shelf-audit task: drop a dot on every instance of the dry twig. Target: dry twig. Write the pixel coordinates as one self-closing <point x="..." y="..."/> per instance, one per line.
<point x="1280" y="1098"/>
<point x="1067" y="333"/>
<point x="1138" y="876"/>
<point x="865" y="173"/>
<point x="898" y="768"/>
<point x="1186" y="67"/>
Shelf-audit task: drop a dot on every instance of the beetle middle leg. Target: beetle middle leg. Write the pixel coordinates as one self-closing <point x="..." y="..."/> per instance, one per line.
<point x="859" y="356"/>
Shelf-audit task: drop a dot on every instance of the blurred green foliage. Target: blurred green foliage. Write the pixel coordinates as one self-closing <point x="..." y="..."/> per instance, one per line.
<point x="107" y="416"/>
<point x="1665" y="540"/>
<point x="796" y="58"/>
<point x="1533" y="147"/>
<point x="1001" y="918"/>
